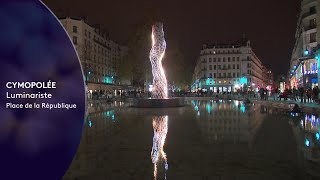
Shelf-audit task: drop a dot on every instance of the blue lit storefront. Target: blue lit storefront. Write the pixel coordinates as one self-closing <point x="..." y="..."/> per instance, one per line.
<point x="103" y="84"/>
<point x="218" y="85"/>
<point x="305" y="74"/>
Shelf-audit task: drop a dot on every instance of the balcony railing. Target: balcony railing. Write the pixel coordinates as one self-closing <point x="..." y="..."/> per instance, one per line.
<point x="308" y="14"/>
<point x="307" y="28"/>
<point x="225" y="77"/>
<point x="225" y="68"/>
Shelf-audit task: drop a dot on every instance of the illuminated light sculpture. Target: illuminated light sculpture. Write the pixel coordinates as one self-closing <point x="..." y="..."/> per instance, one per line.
<point x="158" y="156"/>
<point x="160" y="87"/>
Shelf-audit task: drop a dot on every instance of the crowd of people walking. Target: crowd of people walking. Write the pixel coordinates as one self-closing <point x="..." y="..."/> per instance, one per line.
<point x="304" y="95"/>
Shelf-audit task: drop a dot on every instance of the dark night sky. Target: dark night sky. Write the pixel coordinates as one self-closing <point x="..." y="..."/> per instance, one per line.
<point x="269" y="24"/>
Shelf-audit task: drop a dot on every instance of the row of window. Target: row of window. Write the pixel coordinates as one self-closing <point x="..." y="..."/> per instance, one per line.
<point x="233" y="51"/>
<point x="224" y="66"/>
<point x="88" y="34"/>
<point x="224" y="75"/>
<point x="101" y="50"/>
<point x="99" y="69"/>
<point x="223" y="59"/>
<point x="100" y="72"/>
<point x="103" y="41"/>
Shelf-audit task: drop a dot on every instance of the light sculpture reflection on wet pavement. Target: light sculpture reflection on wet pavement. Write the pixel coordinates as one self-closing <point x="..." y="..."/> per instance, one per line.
<point x="158" y="156"/>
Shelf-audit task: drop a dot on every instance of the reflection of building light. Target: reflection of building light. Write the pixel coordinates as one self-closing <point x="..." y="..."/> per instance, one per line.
<point x="208" y="108"/>
<point x="236" y="103"/>
<point x="307" y="143"/>
<point x="90" y="123"/>
<point x="198" y="113"/>
<point x="242" y="108"/>
<point x="310" y="123"/>
<point x="317" y="135"/>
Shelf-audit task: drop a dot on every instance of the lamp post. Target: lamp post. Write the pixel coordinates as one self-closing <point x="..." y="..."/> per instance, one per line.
<point x="317" y="56"/>
<point x="303" y="78"/>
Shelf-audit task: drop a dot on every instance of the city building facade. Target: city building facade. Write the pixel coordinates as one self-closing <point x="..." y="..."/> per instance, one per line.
<point x="270" y="78"/>
<point x="303" y="70"/>
<point x="229" y="68"/>
<point x="99" y="55"/>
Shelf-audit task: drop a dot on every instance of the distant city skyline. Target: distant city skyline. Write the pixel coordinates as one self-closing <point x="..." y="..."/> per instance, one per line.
<point x="270" y="25"/>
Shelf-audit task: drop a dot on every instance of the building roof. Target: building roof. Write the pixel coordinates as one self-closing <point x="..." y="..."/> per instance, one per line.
<point x="231" y="44"/>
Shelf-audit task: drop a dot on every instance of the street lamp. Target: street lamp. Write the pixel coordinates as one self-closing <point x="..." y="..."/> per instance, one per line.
<point x="303" y="78"/>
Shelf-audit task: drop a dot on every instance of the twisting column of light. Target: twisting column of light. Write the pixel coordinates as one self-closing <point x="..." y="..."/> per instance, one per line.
<point x="160" y="89"/>
<point x="160" y="129"/>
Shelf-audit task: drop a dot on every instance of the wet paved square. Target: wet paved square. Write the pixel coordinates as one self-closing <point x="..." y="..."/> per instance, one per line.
<point x="204" y="140"/>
